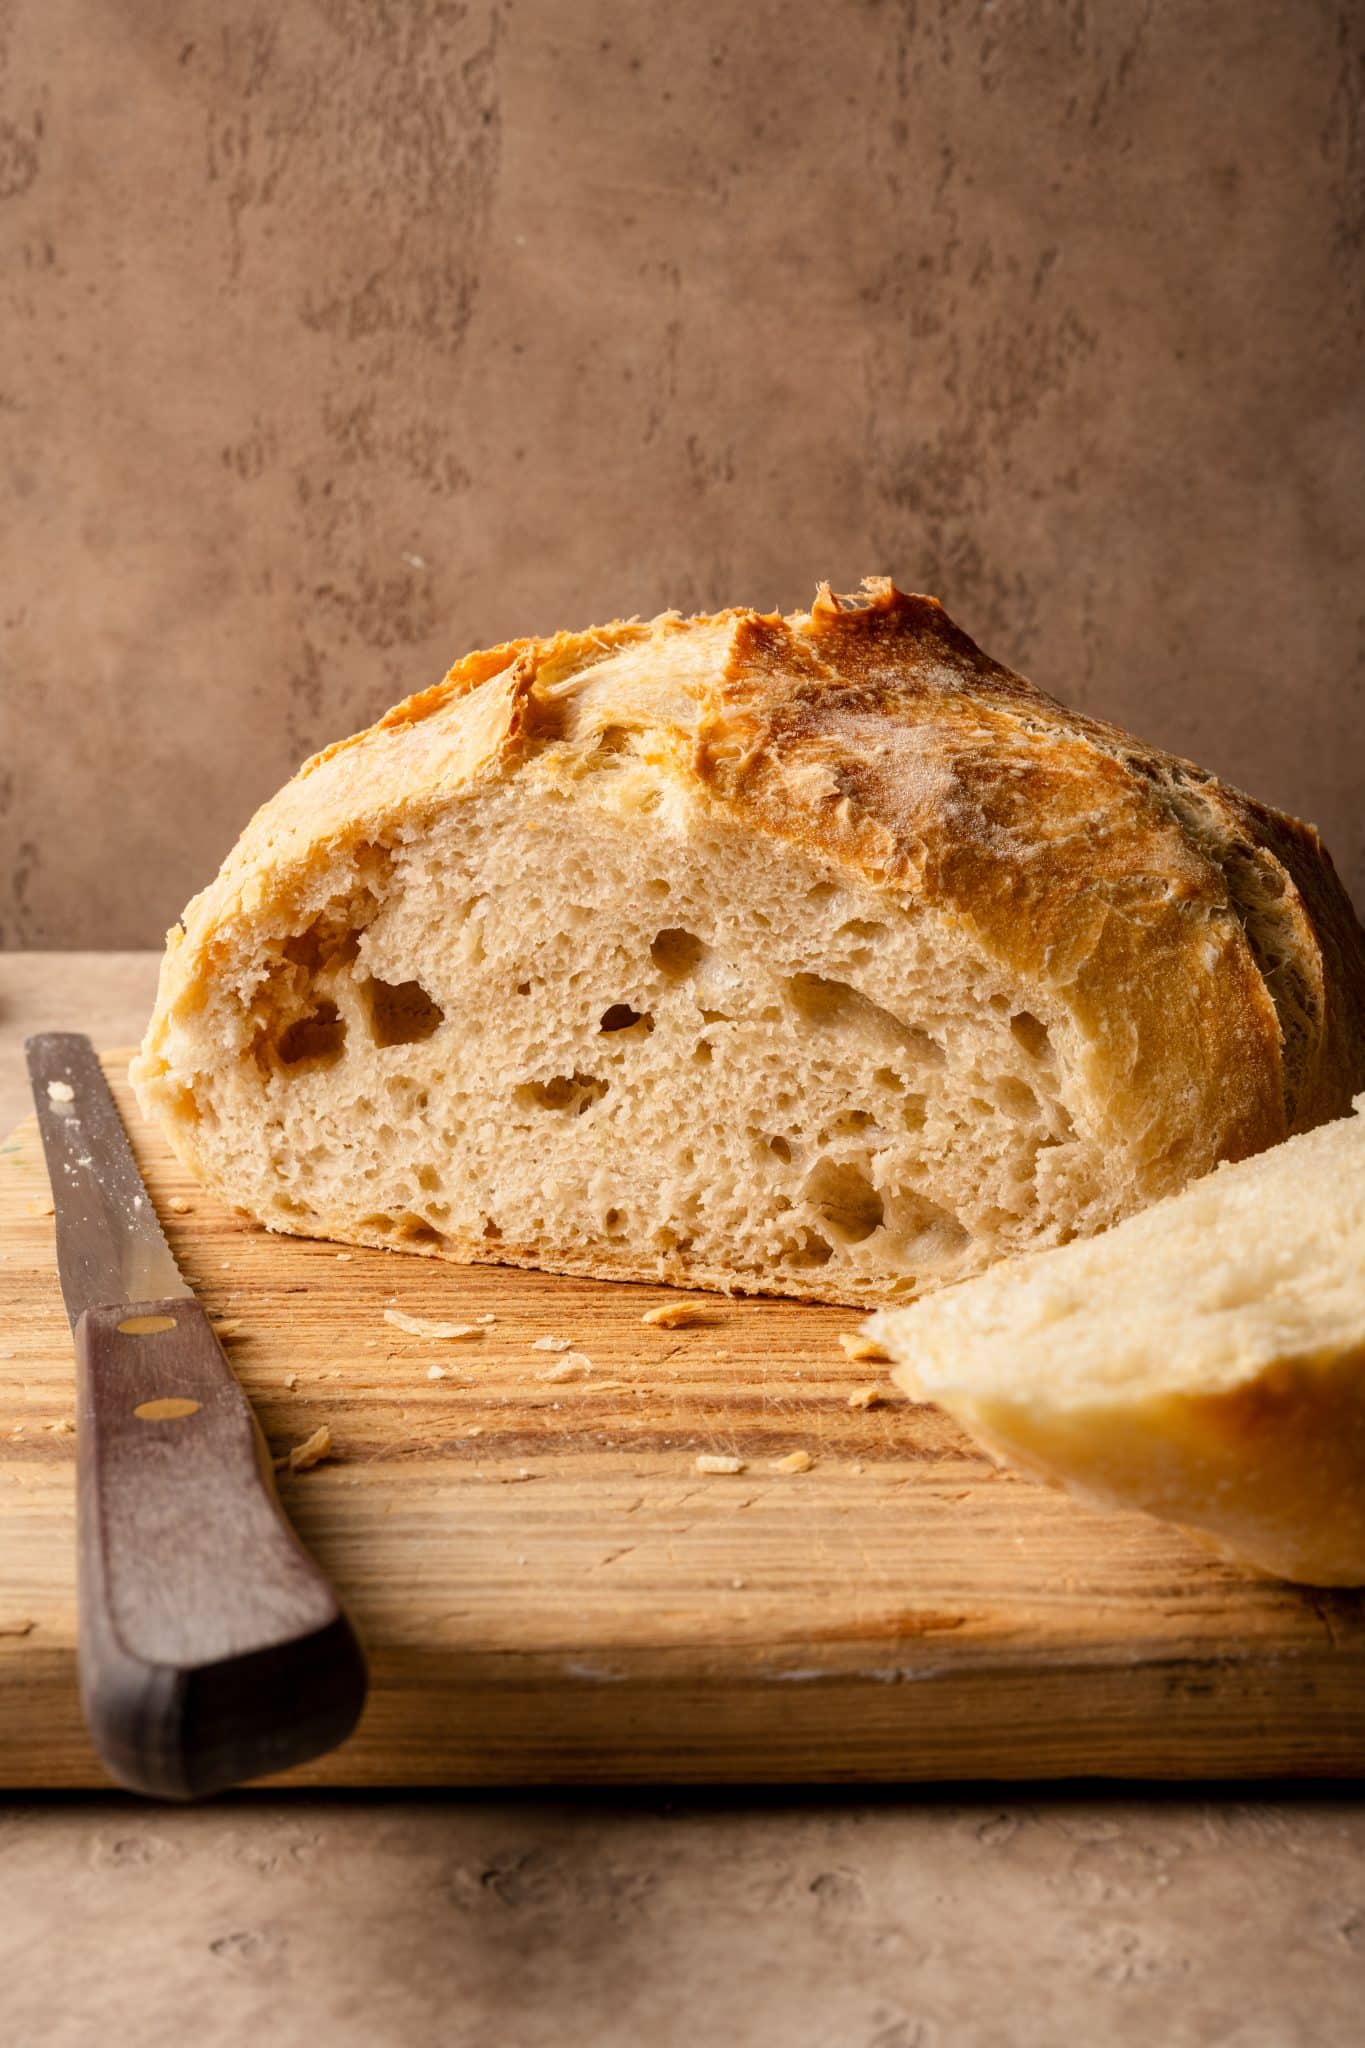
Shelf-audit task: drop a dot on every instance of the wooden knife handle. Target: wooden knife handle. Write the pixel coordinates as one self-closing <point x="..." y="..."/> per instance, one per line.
<point x="212" y="1649"/>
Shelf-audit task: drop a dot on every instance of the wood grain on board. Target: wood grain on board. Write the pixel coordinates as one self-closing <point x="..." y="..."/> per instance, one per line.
<point x="550" y="1591"/>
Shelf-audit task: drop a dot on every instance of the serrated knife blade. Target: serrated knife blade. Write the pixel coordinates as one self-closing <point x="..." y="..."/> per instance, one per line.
<point x="110" y="1246"/>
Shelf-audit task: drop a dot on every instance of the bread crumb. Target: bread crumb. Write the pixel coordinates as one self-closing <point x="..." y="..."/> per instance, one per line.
<point x="709" y="1461"/>
<point x="291" y="1379"/>
<point x="310" y="1452"/>
<point x="17" y="1628"/>
<point x="866" y="1397"/>
<point x="552" y="1344"/>
<point x="486" y="1320"/>
<point x="739" y="1584"/>
<point x="474" y="1429"/>
<point x="178" y="1206"/>
<point x="60" y="1091"/>
<point x="856" y="1470"/>
<point x="41" y="1207"/>
<point x="574" y="1367"/>
<point x="436" y="1372"/>
<point x="229" y="1326"/>
<point x="422" y="1326"/>
<point x="856" y="1345"/>
<point x="672" y="1315"/>
<point x="345" y="1257"/>
<point x="63" y="1428"/>
<point x="795" y="1461"/>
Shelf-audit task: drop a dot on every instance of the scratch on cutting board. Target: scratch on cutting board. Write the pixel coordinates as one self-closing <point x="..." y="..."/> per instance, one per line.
<point x="879" y="1674"/>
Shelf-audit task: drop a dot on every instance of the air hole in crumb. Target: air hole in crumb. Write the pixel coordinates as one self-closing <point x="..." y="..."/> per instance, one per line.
<point x="658" y="888"/>
<point x="813" y="1250"/>
<point x="576" y="1092"/>
<point x="822" y="892"/>
<point x="925" y="1232"/>
<point x="675" y="952"/>
<point x="381" y="1224"/>
<point x="401" y="1012"/>
<point x="846" y="1199"/>
<point x="491" y="1230"/>
<point x="887" y="1077"/>
<point x="316" y="1040"/>
<point x="837" y="1005"/>
<point x="782" y="1149"/>
<point x="620" y="1017"/>
<point x="428" y="1180"/>
<point x="614" y="1222"/>
<point x="701" y="1055"/>
<point x="849" y="1122"/>
<point x="523" y="988"/>
<point x="860" y="928"/>
<point x="1032" y="1034"/>
<point x="1017" y="1099"/>
<point x="416" y="1230"/>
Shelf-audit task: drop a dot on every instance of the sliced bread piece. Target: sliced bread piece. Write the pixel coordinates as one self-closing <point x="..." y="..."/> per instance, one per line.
<point x="1204" y="1361"/>
<point x="815" y="955"/>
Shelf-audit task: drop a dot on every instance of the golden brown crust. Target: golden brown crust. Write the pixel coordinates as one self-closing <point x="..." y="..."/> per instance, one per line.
<point x="1201" y="942"/>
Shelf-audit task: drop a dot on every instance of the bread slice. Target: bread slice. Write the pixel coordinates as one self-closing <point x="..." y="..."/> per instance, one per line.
<point x="1204" y="1361"/>
<point x="816" y="955"/>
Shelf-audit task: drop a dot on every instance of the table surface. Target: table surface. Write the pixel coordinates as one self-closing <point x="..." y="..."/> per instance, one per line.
<point x="882" y="1919"/>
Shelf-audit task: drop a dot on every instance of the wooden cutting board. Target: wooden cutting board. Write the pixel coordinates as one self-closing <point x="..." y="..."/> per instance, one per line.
<point x="550" y="1590"/>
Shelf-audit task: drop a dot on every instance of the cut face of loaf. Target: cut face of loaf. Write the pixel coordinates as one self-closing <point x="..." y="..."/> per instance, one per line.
<point x="1204" y="1361"/>
<point x="817" y="956"/>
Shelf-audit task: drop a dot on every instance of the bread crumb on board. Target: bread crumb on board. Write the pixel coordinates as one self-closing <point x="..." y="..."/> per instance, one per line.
<point x="552" y="1344"/>
<point x="575" y="1366"/>
<point x="711" y="1461"/>
<point x="856" y="1345"/>
<point x="672" y="1315"/>
<point x="65" y="1427"/>
<point x="178" y="1206"/>
<point x="17" y="1628"/>
<point x="228" y="1326"/>
<point x="310" y="1452"/>
<point x="485" y="1320"/>
<point x="42" y="1207"/>
<point x="423" y="1326"/>
<point x="291" y="1379"/>
<point x="867" y="1397"/>
<point x="60" y="1091"/>
<point x="795" y="1461"/>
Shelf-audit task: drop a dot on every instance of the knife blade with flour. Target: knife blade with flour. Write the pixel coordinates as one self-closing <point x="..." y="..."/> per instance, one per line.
<point x="212" y="1649"/>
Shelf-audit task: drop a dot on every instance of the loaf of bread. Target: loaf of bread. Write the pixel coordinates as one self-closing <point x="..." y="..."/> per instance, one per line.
<point x="1204" y="1361"/>
<point x="816" y="955"/>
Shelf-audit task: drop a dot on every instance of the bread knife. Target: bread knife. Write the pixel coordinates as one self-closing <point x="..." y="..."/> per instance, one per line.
<point x="211" y="1647"/>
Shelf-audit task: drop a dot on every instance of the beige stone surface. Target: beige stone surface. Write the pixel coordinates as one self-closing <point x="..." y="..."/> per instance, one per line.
<point x="340" y="337"/>
<point x="865" y="1920"/>
<point x="882" y="1921"/>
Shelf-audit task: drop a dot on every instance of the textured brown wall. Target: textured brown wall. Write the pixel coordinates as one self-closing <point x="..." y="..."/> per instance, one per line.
<point x="340" y="336"/>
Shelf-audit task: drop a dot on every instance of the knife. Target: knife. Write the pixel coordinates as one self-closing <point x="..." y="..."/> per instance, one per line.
<point x="211" y="1647"/>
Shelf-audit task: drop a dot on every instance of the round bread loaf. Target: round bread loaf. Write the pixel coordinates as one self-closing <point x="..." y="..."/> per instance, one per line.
<point x="816" y="955"/>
